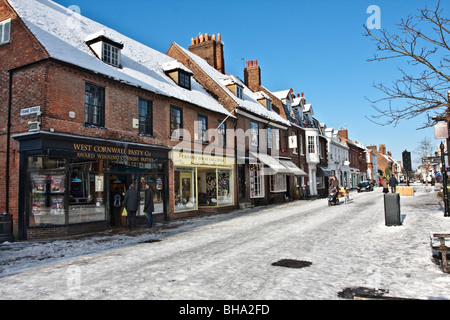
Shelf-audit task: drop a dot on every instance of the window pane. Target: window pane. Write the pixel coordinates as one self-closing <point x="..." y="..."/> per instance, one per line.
<point x="145" y="117"/>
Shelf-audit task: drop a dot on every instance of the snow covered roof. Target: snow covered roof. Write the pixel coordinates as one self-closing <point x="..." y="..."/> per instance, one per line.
<point x="63" y="33"/>
<point x="249" y="99"/>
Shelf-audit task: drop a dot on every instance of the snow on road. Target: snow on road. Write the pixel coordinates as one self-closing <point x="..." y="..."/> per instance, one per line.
<point x="230" y="256"/>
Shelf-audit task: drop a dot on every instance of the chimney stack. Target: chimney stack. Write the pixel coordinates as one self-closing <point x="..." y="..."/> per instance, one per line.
<point x="209" y="48"/>
<point x="252" y="75"/>
<point x="383" y="149"/>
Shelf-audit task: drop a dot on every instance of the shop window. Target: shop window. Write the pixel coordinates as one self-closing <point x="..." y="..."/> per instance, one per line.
<point x="278" y="183"/>
<point x="86" y="194"/>
<point x="154" y="181"/>
<point x="207" y="187"/>
<point x="256" y="181"/>
<point x="225" y="184"/>
<point x="47" y="198"/>
<point x="185" y="192"/>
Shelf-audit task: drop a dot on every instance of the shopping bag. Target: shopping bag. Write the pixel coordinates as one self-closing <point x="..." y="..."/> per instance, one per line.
<point x="124" y="212"/>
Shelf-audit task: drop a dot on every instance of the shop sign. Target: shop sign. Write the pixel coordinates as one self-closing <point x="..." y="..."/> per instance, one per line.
<point x="119" y="154"/>
<point x="195" y="159"/>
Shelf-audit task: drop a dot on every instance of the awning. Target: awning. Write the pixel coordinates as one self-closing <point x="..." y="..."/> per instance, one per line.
<point x="274" y="165"/>
<point x="293" y="169"/>
<point x="324" y="172"/>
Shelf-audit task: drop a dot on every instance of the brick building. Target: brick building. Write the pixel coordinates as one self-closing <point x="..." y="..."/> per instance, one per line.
<point x="265" y="171"/>
<point x="88" y="112"/>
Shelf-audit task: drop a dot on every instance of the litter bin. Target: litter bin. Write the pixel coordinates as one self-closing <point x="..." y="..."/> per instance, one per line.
<point x="392" y="209"/>
<point x="6" y="228"/>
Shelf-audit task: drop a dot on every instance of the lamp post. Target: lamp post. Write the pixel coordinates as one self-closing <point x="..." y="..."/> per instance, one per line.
<point x="444" y="179"/>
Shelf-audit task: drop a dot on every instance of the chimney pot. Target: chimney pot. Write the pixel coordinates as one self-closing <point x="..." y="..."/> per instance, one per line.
<point x="192" y="41"/>
<point x="303" y="94"/>
<point x="248" y="62"/>
<point x="219" y="37"/>
<point x="197" y="40"/>
<point x="256" y="62"/>
<point x="202" y="38"/>
<point x="214" y="37"/>
<point x="292" y="90"/>
<point x="298" y="95"/>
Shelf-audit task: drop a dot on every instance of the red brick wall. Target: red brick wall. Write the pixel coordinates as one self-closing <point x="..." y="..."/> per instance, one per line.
<point x="22" y="49"/>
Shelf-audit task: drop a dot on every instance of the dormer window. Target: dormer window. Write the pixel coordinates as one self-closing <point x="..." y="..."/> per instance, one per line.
<point x="264" y="100"/>
<point x="106" y="49"/>
<point x="179" y="74"/>
<point x="234" y="86"/>
<point x="239" y="92"/>
<point x="111" y="54"/>
<point x="5" y="31"/>
<point x="184" y="79"/>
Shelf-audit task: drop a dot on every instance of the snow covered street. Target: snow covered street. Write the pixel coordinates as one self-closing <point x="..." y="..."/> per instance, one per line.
<point x="230" y="256"/>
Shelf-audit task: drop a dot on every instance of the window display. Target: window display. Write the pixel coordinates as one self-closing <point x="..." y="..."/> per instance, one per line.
<point x="225" y="187"/>
<point x="185" y="193"/>
<point x="47" y="198"/>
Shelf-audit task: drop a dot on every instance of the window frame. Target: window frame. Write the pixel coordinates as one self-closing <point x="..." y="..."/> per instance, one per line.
<point x="172" y="119"/>
<point x="145" y="120"/>
<point x="256" y="173"/>
<point x="100" y="107"/>
<point x="239" y="92"/>
<point x="110" y="54"/>
<point x="222" y="133"/>
<point x="202" y="129"/>
<point x="278" y="183"/>
<point x="184" y="80"/>
<point x="254" y="134"/>
<point x="3" y="25"/>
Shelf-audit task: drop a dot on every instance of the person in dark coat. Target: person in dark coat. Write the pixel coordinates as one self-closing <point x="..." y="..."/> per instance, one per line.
<point x="334" y="188"/>
<point x="393" y="183"/>
<point x="131" y="203"/>
<point x="149" y="206"/>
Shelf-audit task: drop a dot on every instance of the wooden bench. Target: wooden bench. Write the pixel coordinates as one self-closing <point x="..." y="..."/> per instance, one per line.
<point x="443" y="249"/>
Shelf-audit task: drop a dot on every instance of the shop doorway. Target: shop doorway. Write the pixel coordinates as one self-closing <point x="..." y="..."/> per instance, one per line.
<point x="118" y="185"/>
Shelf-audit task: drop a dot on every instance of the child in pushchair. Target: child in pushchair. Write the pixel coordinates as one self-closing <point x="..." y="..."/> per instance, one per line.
<point x="333" y="197"/>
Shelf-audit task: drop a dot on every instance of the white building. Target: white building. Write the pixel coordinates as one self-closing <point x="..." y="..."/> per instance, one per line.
<point x="338" y="158"/>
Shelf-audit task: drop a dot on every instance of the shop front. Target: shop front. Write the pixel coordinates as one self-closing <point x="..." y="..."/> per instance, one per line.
<point x="71" y="185"/>
<point x="202" y="181"/>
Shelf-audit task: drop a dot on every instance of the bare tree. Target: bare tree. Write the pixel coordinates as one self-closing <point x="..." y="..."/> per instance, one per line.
<point x="423" y="42"/>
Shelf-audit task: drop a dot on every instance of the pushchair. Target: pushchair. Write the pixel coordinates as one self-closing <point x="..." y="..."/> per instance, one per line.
<point x="333" y="197"/>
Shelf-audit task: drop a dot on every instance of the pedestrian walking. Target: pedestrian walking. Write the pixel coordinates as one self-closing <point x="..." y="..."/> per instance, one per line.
<point x="149" y="206"/>
<point x="393" y="183"/>
<point x="131" y="203"/>
<point x="384" y="184"/>
<point x="333" y="188"/>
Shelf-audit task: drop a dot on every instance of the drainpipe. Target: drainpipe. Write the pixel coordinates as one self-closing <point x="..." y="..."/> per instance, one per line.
<point x="8" y="143"/>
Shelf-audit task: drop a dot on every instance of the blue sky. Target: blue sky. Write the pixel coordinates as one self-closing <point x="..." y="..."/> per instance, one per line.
<point x="315" y="47"/>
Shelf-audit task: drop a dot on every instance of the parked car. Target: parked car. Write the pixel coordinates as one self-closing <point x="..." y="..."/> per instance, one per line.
<point x="365" y="186"/>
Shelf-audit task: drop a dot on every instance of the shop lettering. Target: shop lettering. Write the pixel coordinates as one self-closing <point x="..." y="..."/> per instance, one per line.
<point x="88" y="151"/>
